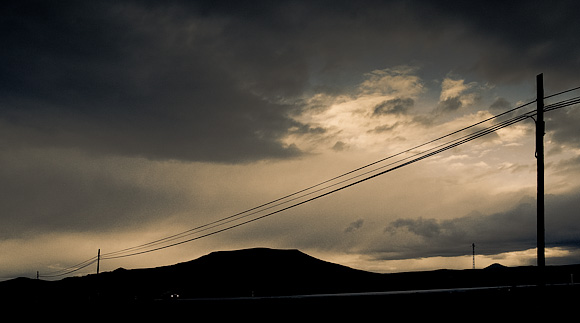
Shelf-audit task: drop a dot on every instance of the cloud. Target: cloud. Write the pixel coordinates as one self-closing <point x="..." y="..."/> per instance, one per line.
<point x="142" y="81"/>
<point x="567" y="167"/>
<point x="354" y="116"/>
<point x="400" y="80"/>
<point x="394" y="106"/>
<point x="563" y="127"/>
<point x="449" y="104"/>
<point x="354" y="226"/>
<point x="206" y="82"/>
<point x="512" y="230"/>
<point x="520" y="46"/>
<point x="65" y="191"/>
<point x="119" y="115"/>
<point x="453" y="88"/>
<point x="500" y="105"/>
<point x="422" y="227"/>
<point x="385" y="128"/>
<point x="339" y="146"/>
<point x="455" y="94"/>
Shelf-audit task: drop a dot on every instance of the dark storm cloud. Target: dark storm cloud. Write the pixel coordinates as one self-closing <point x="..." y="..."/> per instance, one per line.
<point x="525" y="38"/>
<point x="152" y="81"/>
<point x="496" y="233"/>
<point x="209" y="81"/>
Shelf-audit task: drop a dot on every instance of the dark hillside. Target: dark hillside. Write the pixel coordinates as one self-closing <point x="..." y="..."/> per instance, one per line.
<point x="240" y="273"/>
<point x="261" y="272"/>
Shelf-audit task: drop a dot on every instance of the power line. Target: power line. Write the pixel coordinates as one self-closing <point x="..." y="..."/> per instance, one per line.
<point x="71" y="269"/>
<point x="269" y="205"/>
<point x="451" y="145"/>
<point x="562" y="104"/>
<point x="162" y="243"/>
<point x="562" y="92"/>
<point x="321" y="195"/>
<point x="420" y="156"/>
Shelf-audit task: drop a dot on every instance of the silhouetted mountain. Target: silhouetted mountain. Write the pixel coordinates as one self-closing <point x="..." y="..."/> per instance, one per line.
<point x="250" y="272"/>
<point x="495" y="266"/>
<point x="260" y="272"/>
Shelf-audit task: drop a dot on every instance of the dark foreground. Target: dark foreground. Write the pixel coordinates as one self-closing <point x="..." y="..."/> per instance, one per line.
<point x="465" y="304"/>
<point x="552" y="303"/>
<point x="287" y="285"/>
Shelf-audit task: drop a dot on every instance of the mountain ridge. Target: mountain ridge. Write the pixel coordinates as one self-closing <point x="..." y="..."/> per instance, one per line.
<point x="260" y="272"/>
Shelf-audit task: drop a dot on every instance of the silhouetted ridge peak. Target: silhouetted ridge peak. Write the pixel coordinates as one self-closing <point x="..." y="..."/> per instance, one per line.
<point x="495" y="266"/>
<point x="256" y="253"/>
<point x="261" y="261"/>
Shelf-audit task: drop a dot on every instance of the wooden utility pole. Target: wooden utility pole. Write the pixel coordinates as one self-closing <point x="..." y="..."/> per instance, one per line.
<point x="473" y="252"/>
<point x="98" y="260"/>
<point x="540" y="130"/>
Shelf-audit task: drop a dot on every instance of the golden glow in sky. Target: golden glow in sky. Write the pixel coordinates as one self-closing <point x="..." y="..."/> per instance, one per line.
<point x="122" y="123"/>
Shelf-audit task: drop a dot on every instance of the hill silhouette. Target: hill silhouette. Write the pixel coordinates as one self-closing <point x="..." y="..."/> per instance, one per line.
<point x="495" y="266"/>
<point x="258" y="273"/>
<point x="240" y="273"/>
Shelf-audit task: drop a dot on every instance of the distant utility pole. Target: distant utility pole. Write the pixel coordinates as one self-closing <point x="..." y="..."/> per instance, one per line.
<point x="98" y="260"/>
<point x="473" y="250"/>
<point x="540" y="130"/>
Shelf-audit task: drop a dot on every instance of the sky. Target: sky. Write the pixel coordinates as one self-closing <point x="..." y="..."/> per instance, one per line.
<point x="123" y="122"/>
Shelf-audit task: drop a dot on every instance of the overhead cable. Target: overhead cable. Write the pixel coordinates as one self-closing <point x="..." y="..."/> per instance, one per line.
<point x="330" y="186"/>
<point x="417" y="157"/>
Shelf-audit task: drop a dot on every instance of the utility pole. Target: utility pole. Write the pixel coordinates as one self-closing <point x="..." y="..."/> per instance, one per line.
<point x="540" y="130"/>
<point x="473" y="250"/>
<point x="98" y="260"/>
